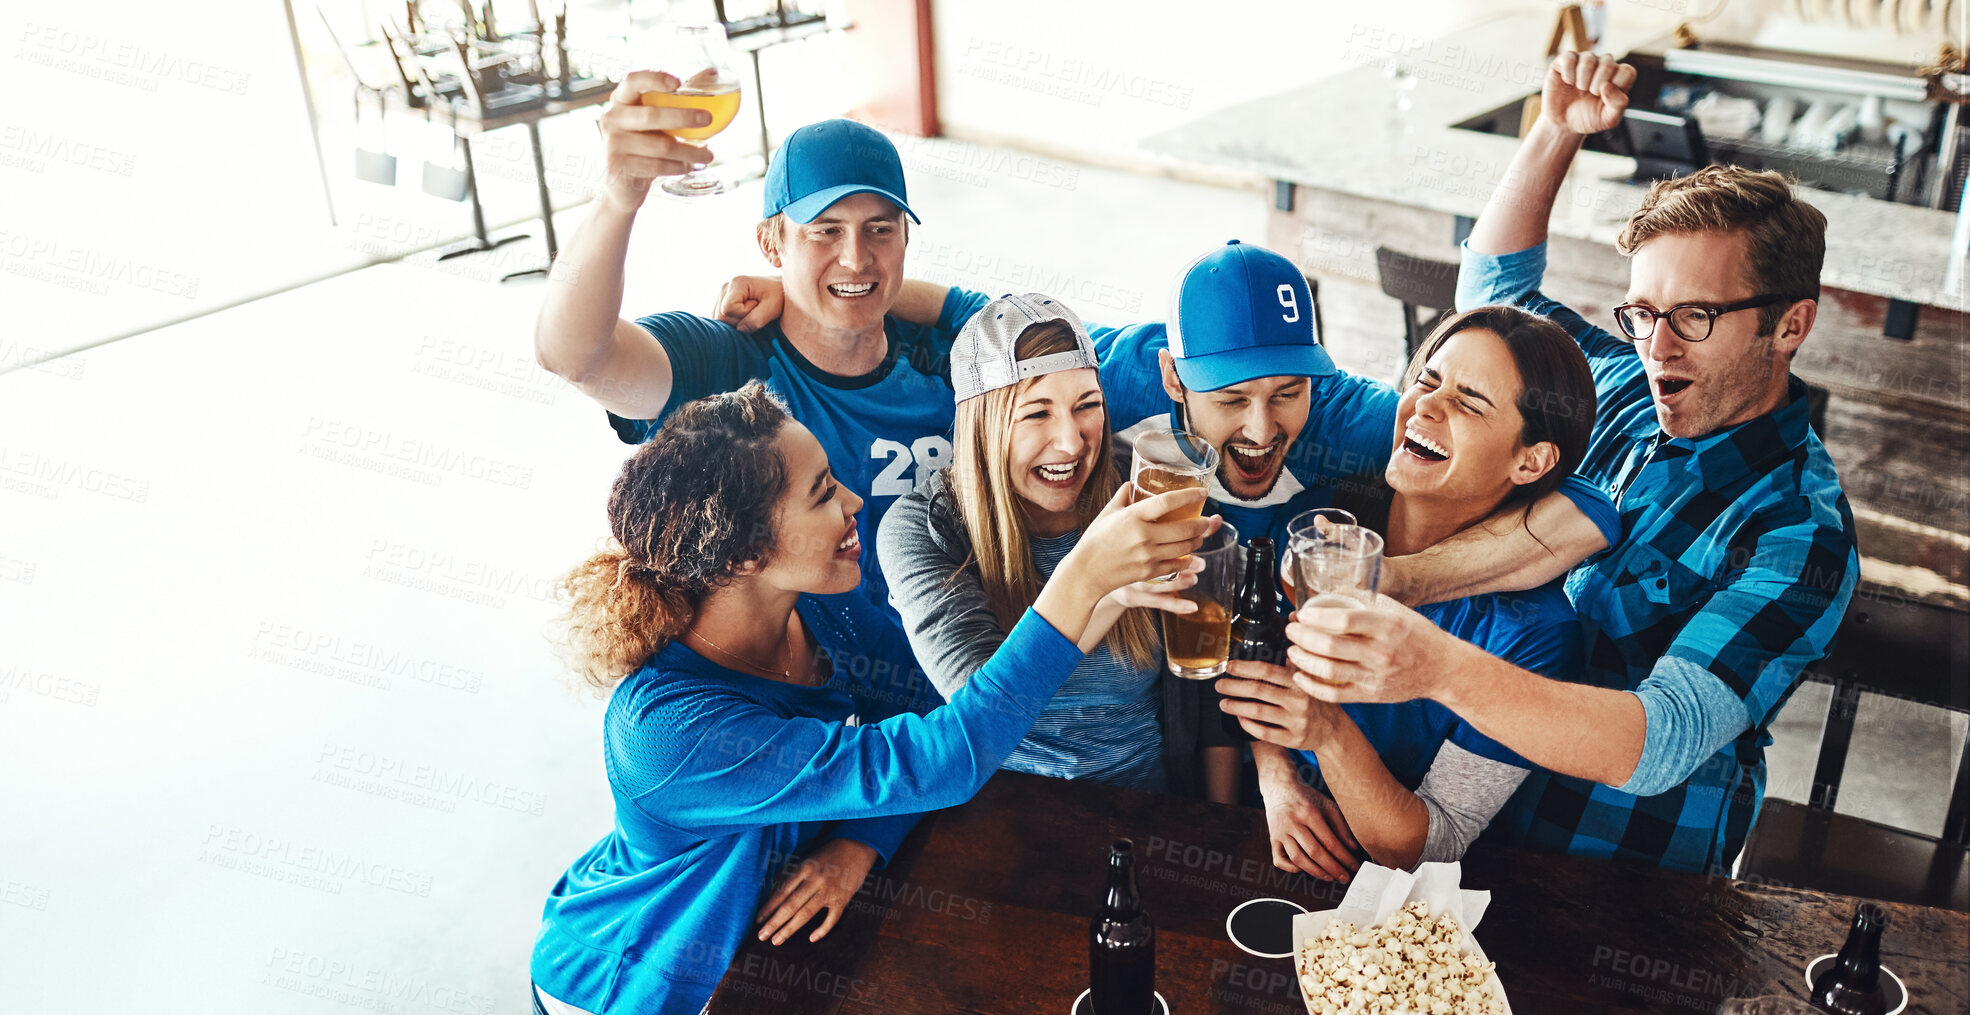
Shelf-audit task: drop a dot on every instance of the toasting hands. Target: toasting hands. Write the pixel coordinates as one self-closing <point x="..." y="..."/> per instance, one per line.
<point x="1387" y="653"/>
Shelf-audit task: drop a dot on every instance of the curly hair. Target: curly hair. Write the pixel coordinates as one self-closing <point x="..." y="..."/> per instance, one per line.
<point x="693" y="505"/>
<point x="1785" y="238"/>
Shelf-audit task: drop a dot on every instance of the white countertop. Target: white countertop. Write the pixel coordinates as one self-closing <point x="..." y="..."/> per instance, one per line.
<point x="1369" y="133"/>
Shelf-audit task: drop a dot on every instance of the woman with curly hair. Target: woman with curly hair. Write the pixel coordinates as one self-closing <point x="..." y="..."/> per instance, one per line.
<point x="759" y="712"/>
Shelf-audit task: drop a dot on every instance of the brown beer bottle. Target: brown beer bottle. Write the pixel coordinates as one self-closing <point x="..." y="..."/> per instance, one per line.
<point x="1122" y="943"/>
<point x="1851" y="985"/>
<point x="1258" y="632"/>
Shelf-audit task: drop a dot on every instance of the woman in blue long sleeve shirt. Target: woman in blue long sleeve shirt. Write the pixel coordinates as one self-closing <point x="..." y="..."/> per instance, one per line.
<point x="758" y="711"/>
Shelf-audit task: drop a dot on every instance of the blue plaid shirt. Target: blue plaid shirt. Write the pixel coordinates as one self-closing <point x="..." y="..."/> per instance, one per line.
<point x="1735" y="568"/>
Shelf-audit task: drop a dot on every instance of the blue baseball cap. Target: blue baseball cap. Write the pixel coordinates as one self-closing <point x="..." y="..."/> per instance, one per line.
<point x="824" y="162"/>
<point x="1244" y="312"/>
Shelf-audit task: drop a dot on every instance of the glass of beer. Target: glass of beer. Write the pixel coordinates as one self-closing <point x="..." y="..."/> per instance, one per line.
<point x="698" y="55"/>
<point x="1314" y="524"/>
<point x="1168" y="460"/>
<point x="1339" y="569"/>
<point x="1197" y="644"/>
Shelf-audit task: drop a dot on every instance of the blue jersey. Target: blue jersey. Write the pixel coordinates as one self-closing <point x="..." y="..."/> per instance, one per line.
<point x="885" y="432"/>
<point x="1535" y="630"/>
<point x="1344" y="447"/>
<point x="719" y="777"/>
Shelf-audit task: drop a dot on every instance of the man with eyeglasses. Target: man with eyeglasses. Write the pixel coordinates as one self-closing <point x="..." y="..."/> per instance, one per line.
<point x="1737" y="557"/>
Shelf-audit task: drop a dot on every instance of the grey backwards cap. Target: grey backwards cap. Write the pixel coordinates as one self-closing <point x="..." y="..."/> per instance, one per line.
<point x="982" y="357"/>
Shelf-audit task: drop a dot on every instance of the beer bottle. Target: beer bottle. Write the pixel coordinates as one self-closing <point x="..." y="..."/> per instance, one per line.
<point x="1258" y="632"/>
<point x="1851" y="985"/>
<point x="1122" y="943"/>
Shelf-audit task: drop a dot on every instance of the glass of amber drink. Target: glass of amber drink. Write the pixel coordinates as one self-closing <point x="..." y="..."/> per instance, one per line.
<point x="1168" y="460"/>
<point x="1340" y="568"/>
<point x="1314" y="525"/>
<point x="698" y="55"/>
<point x="1197" y="644"/>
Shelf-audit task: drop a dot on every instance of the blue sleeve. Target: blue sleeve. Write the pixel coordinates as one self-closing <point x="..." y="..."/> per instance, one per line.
<point x="706" y="358"/>
<point x="1132" y="372"/>
<point x="882" y="834"/>
<point x="1350" y="430"/>
<point x="1539" y="633"/>
<point x="884" y="680"/>
<point x="749" y="766"/>
<point x="1487" y="279"/>
<point x="959" y="306"/>
<point x="1596" y="505"/>
<point x="1738" y="656"/>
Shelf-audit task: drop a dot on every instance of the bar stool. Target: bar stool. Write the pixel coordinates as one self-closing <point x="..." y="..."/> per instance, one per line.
<point x="1426" y="287"/>
<point x="1914" y="654"/>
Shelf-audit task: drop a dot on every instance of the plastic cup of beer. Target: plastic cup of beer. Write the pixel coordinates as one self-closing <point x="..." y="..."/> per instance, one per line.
<point x="1314" y="524"/>
<point x="1340" y="569"/>
<point x="1197" y="644"/>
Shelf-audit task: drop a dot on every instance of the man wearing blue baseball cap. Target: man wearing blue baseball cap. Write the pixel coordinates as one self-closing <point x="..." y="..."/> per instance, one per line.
<point x="874" y="389"/>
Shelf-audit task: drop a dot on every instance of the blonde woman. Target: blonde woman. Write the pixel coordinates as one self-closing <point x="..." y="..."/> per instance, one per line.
<point x="970" y="550"/>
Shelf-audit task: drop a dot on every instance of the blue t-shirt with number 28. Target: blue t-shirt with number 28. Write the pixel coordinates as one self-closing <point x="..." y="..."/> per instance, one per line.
<point x="885" y="431"/>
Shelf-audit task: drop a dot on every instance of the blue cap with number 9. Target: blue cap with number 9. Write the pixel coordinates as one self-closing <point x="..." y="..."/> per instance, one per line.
<point x="1243" y="312"/>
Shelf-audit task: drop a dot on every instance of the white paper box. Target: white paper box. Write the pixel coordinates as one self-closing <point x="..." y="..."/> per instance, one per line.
<point x="1377" y="892"/>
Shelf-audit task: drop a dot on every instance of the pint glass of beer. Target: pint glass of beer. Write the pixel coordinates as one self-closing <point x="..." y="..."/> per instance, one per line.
<point x="1314" y="524"/>
<point x="1168" y="460"/>
<point x="1341" y="567"/>
<point x="1197" y="644"/>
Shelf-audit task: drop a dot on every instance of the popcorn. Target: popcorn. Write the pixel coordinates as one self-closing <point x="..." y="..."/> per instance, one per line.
<point x="1410" y="965"/>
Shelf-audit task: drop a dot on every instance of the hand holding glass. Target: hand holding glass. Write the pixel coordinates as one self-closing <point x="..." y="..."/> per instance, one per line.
<point x="1314" y="524"/>
<point x="1340" y="569"/>
<point x="1167" y="460"/>
<point x="700" y="58"/>
<point x="1198" y="643"/>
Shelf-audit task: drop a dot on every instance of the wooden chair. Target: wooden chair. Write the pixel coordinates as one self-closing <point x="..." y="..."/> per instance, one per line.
<point x="1426" y="287"/>
<point x="1916" y="654"/>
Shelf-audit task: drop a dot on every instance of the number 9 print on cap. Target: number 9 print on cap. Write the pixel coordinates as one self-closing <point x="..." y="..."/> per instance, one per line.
<point x="1243" y="312"/>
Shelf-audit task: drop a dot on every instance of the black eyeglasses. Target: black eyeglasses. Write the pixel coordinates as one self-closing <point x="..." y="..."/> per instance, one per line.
<point x="1690" y="321"/>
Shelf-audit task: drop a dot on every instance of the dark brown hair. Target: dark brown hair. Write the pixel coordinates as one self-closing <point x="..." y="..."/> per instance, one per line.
<point x="1556" y="390"/>
<point x="692" y="506"/>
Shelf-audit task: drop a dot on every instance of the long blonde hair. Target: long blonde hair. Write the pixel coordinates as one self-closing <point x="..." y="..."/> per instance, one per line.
<point x="995" y="515"/>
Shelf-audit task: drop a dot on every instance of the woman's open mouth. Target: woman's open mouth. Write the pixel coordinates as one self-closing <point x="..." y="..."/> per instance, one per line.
<point x="1062" y="476"/>
<point x="1419" y="445"/>
<point x="850" y="548"/>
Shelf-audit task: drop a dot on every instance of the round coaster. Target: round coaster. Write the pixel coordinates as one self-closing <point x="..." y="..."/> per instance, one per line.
<point x="1897" y="998"/>
<point x="1082" y="1007"/>
<point x="1263" y="927"/>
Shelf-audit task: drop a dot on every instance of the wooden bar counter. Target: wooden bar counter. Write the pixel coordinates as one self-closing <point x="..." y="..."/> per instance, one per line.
<point x="986" y="910"/>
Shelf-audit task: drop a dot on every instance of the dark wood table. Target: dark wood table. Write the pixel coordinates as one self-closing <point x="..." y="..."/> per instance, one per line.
<point x="986" y="909"/>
